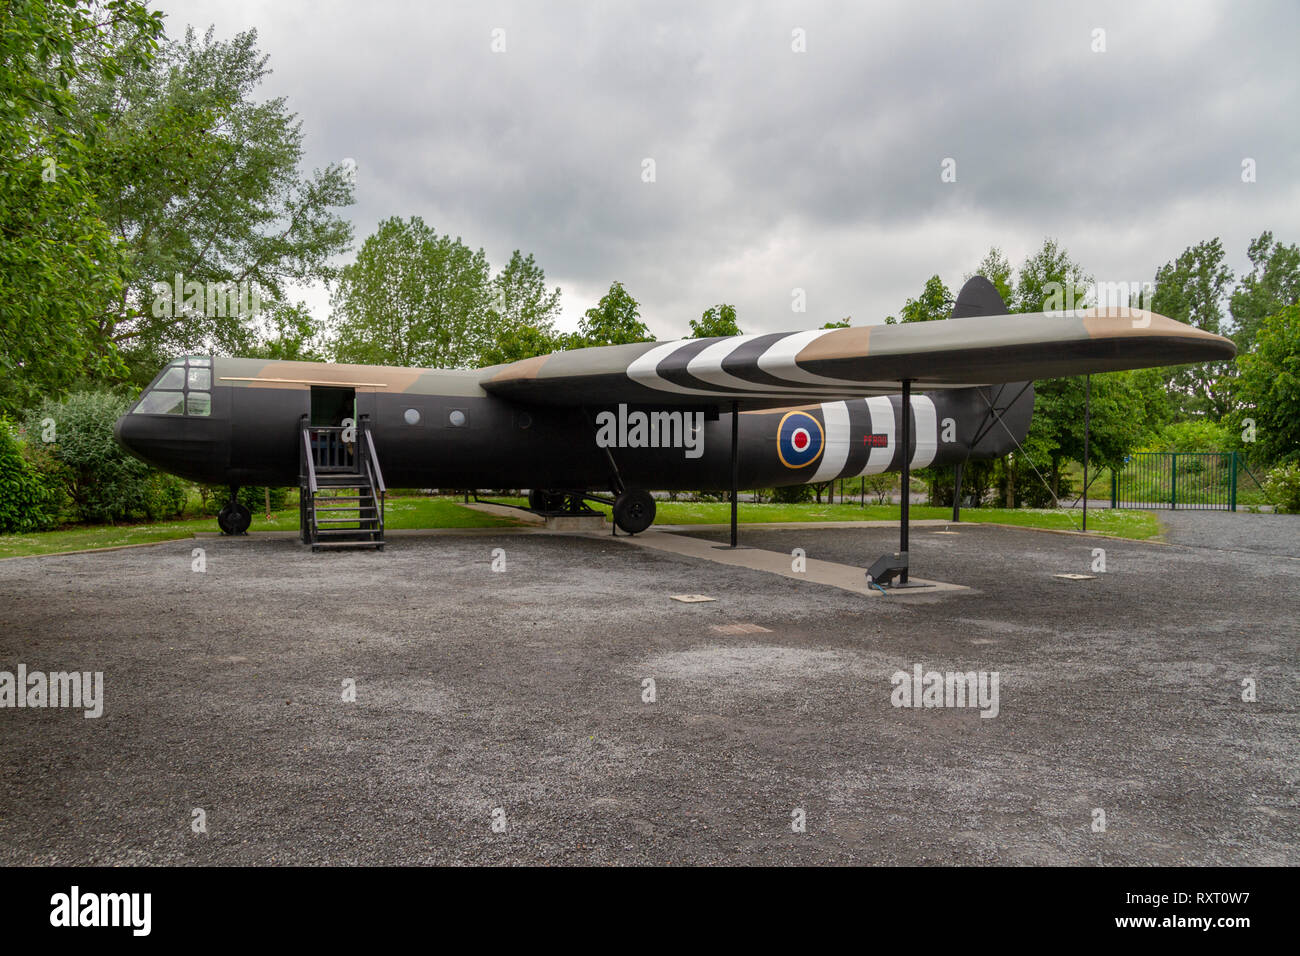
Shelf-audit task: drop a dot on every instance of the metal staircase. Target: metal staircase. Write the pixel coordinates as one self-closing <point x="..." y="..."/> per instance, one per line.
<point x="340" y="487"/>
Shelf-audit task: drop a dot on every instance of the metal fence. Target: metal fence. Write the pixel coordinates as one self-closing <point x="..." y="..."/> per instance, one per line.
<point x="1205" y="480"/>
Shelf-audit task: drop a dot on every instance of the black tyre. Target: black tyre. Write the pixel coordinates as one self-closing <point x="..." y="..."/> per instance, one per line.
<point x="234" y="518"/>
<point x="634" y="511"/>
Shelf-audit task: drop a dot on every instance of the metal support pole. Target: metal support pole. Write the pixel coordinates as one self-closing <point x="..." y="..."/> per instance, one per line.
<point x="1232" y="503"/>
<point x="735" y="468"/>
<point x="1087" y="424"/>
<point x="956" y="491"/>
<point x="905" y="440"/>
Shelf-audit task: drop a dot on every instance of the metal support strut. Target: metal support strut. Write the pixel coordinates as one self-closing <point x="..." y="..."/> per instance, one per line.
<point x="895" y="565"/>
<point x="905" y="440"/>
<point x="735" y="469"/>
<point x="1087" y="426"/>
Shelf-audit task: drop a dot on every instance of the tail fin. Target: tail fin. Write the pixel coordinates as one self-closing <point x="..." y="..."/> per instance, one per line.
<point x="1013" y="402"/>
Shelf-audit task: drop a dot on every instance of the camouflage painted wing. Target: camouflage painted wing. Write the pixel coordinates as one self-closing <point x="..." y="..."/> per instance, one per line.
<point x="789" y="368"/>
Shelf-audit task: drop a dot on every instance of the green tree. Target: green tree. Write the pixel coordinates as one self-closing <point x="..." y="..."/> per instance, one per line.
<point x="615" y="320"/>
<point x="60" y="263"/>
<point x="521" y="342"/>
<point x="995" y="267"/>
<point x="1272" y="283"/>
<point x="1191" y="289"/>
<point x="287" y="333"/>
<point x="1268" y="386"/>
<point x="522" y="314"/>
<point x="934" y="303"/>
<point x="201" y="181"/>
<point x="1057" y="427"/>
<point x="413" y="298"/>
<point x="717" y="321"/>
<point x="1050" y="281"/>
<point x="841" y="324"/>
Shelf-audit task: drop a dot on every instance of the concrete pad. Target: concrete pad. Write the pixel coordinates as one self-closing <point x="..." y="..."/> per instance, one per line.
<point x="796" y="525"/>
<point x="550" y="523"/>
<point x="505" y="511"/>
<point x="843" y="576"/>
<point x="577" y="523"/>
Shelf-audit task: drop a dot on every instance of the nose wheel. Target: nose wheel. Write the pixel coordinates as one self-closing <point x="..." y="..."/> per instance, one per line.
<point x="234" y="518"/>
<point x="634" y="511"/>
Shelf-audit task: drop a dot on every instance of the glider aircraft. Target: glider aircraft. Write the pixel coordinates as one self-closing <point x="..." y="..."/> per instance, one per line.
<point x="611" y="423"/>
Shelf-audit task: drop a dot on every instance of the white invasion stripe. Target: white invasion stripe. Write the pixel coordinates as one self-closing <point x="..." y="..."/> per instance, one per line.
<point x="835" y="444"/>
<point x="707" y="366"/>
<point x="927" y="431"/>
<point x="644" y="369"/>
<point x="882" y="422"/>
<point x="779" y="360"/>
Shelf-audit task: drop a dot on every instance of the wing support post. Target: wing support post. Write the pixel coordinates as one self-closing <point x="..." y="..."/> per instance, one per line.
<point x="895" y="566"/>
<point x="735" y="478"/>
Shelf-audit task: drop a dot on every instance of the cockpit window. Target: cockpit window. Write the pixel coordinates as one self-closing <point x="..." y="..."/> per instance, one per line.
<point x="161" y="403"/>
<point x="172" y="378"/>
<point x="184" y="387"/>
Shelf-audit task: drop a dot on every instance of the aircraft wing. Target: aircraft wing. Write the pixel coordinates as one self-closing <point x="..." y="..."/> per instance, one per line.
<point x="791" y="368"/>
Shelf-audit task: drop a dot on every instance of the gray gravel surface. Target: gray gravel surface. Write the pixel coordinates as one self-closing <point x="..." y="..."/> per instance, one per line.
<point x="522" y="690"/>
<point x="1265" y="533"/>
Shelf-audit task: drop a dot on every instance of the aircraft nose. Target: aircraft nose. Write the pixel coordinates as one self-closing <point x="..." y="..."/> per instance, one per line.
<point x="138" y="435"/>
<point x="121" y="432"/>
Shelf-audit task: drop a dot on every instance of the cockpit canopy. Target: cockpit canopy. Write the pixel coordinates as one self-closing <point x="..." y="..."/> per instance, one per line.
<point x="184" y="387"/>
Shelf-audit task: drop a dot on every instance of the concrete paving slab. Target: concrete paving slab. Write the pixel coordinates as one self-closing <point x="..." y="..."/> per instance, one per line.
<point x="843" y="576"/>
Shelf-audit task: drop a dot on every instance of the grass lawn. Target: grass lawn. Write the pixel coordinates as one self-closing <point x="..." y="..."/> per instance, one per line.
<point x="1123" y="524"/>
<point x="399" y="513"/>
<point x="419" y="512"/>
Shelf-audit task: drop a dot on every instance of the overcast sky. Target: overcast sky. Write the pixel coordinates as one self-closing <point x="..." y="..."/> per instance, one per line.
<point x="777" y="169"/>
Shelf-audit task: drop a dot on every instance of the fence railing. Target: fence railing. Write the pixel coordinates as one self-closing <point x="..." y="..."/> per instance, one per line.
<point x="1204" y="480"/>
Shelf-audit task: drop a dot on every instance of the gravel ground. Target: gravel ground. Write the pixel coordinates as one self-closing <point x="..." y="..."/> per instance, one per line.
<point x="1265" y="533"/>
<point x="522" y="690"/>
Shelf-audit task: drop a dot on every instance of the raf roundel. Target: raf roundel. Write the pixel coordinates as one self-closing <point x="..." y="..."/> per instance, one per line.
<point x="799" y="440"/>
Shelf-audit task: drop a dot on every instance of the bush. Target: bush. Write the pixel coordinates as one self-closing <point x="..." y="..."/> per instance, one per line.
<point x="792" y="494"/>
<point x="103" y="482"/>
<point x="1033" y="493"/>
<point x="29" y="499"/>
<point x="1282" y="486"/>
<point x="252" y="497"/>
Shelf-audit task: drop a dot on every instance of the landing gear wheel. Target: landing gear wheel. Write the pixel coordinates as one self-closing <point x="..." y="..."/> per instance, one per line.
<point x="634" y="511"/>
<point x="234" y="518"/>
<point x="540" y="499"/>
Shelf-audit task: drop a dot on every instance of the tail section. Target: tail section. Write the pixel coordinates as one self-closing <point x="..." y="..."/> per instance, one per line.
<point x="1008" y="408"/>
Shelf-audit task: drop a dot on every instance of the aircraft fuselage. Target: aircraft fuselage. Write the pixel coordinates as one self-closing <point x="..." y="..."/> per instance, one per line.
<point x="441" y="429"/>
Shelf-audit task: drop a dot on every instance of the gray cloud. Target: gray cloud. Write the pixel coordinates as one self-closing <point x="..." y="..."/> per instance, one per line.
<point x="778" y="170"/>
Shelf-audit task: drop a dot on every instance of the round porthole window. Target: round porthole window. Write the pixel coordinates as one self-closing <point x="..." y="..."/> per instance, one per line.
<point x="412" y="416"/>
<point x="457" y="417"/>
